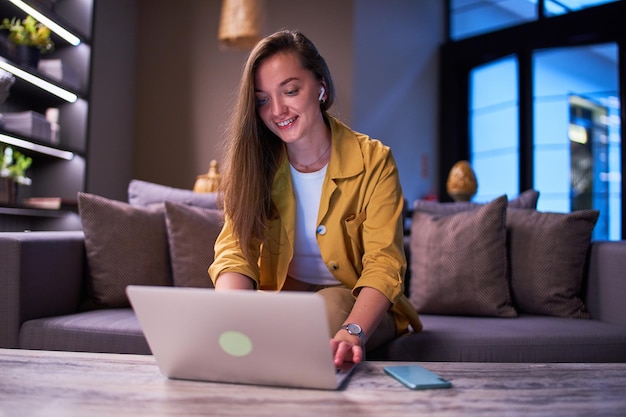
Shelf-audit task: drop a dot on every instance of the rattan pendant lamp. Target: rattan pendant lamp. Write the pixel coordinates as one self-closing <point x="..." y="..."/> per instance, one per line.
<point x="239" y="24"/>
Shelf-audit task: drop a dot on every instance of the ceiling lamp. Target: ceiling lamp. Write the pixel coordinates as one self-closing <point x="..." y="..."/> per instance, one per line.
<point x="239" y="24"/>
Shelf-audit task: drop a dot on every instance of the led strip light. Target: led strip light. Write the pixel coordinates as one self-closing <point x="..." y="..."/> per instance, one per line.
<point x="41" y="83"/>
<point x="10" y="140"/>
<point x="55" y="27"/>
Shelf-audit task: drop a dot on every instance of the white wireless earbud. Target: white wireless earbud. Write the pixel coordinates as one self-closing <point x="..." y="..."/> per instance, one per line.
<point x="322" y="91"/>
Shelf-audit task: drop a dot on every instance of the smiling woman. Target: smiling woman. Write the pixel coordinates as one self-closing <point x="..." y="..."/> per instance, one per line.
<point x="310" y="204"/>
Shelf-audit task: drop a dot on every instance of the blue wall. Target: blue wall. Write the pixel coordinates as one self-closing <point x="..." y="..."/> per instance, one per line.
<point x="395" y="90"/>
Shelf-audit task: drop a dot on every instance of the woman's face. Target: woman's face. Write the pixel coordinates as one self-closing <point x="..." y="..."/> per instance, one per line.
<point x="287" y="98"/>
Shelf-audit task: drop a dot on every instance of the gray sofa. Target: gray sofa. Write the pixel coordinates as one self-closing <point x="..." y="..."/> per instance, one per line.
<point x="532" y="337"/>
<point x="43" y="283"/>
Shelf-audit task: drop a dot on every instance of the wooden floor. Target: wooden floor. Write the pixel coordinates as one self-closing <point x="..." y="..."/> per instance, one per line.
<point x="41" y="383"/>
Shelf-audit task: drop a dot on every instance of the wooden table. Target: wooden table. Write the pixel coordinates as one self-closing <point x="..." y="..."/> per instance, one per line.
<point x="42" y="383"/>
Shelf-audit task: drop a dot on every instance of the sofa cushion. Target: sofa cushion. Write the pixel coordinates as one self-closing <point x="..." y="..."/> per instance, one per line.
<point x="124" y="245"/>
<point x="547" y="254"/>
<point x="111" y="330"/>
<point x="527" y="338"/>
<point x="459" y="262"/>
<point x="192" y="232"/>
<point x="144" y="194"/>
<point x="527" y="199"/>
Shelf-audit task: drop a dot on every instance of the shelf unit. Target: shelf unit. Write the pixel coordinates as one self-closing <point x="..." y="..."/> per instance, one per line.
<point x="59" y="168"/>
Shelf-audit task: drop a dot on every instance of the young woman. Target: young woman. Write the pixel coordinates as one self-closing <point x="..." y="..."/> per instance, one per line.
<point x="311" y="205"/>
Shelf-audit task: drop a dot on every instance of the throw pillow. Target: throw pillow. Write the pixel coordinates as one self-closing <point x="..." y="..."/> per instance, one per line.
<point x="547" y="253"/>
<point x="192" y="232"/>
<point x="527" y="199"/>
<point x="459" y="263"/>
<point x="144" y="194"/>
<point x="124" y="245"/>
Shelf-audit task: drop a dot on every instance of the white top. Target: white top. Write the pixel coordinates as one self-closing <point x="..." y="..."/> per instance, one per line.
<point x="307" y="264"/>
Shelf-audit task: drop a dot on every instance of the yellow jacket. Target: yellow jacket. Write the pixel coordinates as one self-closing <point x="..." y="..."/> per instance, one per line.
<point x="361" y="199"/>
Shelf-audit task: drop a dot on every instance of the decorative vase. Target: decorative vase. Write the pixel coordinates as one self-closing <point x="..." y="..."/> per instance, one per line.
<point x="8" y="191"/>
<point x="27" y="56"/>
<point x="209" y="182"/>
<point x="461" y="184"/>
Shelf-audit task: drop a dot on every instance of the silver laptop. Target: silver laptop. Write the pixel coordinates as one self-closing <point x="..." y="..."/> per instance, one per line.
<point x="246" y="337"/>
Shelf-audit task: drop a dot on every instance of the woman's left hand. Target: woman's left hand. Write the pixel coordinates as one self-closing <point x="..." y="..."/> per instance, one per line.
<point x="346" y="348"/>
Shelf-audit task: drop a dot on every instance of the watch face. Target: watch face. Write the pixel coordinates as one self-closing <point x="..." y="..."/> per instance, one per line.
<point x="354" y="329"/>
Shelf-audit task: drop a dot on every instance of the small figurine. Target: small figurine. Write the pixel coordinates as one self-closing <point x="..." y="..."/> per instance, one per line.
<point x="209" y="182"/>
<point x="461" y="184"/>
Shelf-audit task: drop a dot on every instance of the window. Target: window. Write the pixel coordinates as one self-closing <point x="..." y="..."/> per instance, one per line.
<point x="473" y="17"/>
<point x="494" y="128"/>
<point x="538" y="105"/>
<point x="576" y="134"/>
<point x="554" y="7"/>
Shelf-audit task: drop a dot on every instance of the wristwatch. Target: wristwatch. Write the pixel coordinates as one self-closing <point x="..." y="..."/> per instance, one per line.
<point x="355" y="330"/>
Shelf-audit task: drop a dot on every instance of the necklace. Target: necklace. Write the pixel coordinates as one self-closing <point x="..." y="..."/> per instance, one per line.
<point x="306" y="167"/>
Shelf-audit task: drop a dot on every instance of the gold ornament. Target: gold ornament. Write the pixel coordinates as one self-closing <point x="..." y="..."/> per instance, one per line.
<point x="461" y="184"/>
<point x="209" y="182"/>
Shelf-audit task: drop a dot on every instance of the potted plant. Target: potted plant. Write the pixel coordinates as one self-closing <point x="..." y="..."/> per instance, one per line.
<point x="30" y="38"/>
<point x="13" y="166"/>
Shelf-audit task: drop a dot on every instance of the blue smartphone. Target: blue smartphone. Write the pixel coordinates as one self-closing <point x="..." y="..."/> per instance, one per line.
<point x="417" y="377"/>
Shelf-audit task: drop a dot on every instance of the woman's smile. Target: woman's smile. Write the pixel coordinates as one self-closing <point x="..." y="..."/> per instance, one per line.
<point x="286" y="123"/>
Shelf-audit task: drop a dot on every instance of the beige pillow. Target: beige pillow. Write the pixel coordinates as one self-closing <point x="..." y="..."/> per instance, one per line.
<point x="547" y="253"/>
<point x="125" y="245"/>
<point x="192" y="232"/>
<point x="459" y="262"/>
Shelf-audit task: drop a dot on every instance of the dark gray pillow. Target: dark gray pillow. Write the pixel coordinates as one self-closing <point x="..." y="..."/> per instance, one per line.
<point x="144" y="194"/>
<point x="527" y="199"/>
<point x="125" y="245"/>
<point x="459" y="262"/>
<point x="192" y="232"/>
<point x="547" y="253"/>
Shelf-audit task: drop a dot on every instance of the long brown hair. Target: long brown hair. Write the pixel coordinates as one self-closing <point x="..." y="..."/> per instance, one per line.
<point x="253" y="152"/>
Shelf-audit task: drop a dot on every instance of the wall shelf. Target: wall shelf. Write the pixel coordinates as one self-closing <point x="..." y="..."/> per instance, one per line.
<point x="26" y="211"/>
<point x="59" y="164"/>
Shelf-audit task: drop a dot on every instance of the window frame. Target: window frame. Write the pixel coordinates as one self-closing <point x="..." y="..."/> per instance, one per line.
<point x="594" y="25"/>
